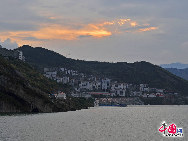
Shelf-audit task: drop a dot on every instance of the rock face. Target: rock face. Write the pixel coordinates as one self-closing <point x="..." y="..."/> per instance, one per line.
<point x="6" y="107"/>
<point x="16" y="98"/>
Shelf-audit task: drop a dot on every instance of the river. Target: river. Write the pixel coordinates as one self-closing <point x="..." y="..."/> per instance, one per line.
<point x="132" y="123"/>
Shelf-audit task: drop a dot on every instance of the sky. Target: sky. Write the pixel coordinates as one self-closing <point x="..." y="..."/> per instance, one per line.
<point x="99" y="30"/>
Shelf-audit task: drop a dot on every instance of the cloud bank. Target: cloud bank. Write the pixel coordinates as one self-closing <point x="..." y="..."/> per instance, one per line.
<point x="8" y="44"/>
<point x="60" y="32"/>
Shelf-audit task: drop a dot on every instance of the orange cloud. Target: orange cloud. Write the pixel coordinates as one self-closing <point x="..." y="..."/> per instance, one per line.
<point x="52" y="32"/>
<point x="133" y="24"/>
<point x="118" y="22"/>
<point x="60" y="32"/>
<point x="147" y="29"/>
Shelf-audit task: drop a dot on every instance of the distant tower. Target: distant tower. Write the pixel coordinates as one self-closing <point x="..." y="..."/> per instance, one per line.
<point x="20" y="55"/>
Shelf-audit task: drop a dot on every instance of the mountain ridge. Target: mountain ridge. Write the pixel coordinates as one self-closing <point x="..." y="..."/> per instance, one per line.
<point x="183" y="73"/>
<point x="175" y="65"/>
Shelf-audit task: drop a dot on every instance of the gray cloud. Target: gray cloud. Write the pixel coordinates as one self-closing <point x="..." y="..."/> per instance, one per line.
<point x="8" y="44"/>
<point x="17" y="26"/>
<point x="84" y="36"/>
<point x="145" y="8"/>
<point x="20" y="15"/>
<point x="33" y="39"/>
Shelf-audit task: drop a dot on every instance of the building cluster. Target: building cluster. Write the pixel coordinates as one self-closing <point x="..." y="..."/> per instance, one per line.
<point x="58" y="95"/>
<point x="12" y="53"/>
<point x="92" y="86"/>
<point x="118" y="101"/>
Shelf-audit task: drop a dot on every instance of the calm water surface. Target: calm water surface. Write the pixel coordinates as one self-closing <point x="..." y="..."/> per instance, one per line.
<point x="133" y="123"/>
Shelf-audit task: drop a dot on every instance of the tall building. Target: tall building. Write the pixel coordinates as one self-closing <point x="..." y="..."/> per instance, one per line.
<point x="12" y="53"/>
<point x="20" y="55"/>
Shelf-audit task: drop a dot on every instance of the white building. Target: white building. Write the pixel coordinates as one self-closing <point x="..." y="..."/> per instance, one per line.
<point x="136" y="93"/>
<point x="20" y="55"/>
<point x="46" y="70"/>
<point x="74" y="73"/>
<point x="65" y="80"/>
<point x="152" y="95"/>
<point x="62" y="69"/>
<point x="100" y="93"/>
<point x="96" y="85"/>
<point x="51" y="75"/>
<point x="160" y="90"/>
<point x="86" y="85"/>
<point x="160" y="95"/>
<point x="119" y="86"/>
<point x="145" y="95"/>
<point x="105" y="84"/>
<point x="61" y="95"/>
<point x="59" y="80"/>
<point x="144" y="87"/>
<point x="120" y="92"/>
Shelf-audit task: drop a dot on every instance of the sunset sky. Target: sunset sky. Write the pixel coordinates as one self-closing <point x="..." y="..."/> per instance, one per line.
<point x="102" y="30"/>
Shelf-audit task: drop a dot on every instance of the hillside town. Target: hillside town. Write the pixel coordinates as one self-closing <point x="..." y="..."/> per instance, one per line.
<point x="91" y="86"/>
